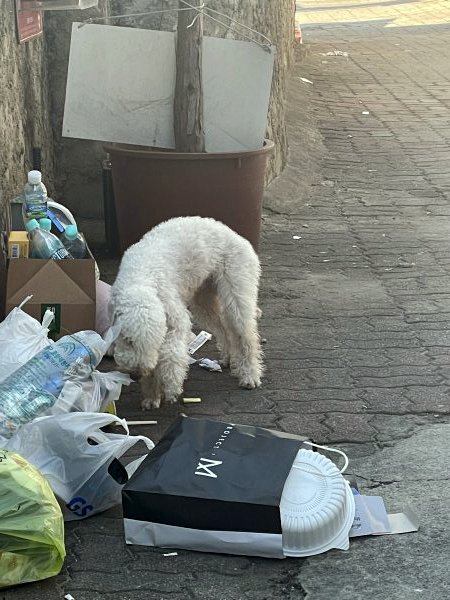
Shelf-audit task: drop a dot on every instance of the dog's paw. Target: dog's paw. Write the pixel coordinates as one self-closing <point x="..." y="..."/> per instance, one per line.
<point x="171" y="399"/>
<point x="149" y="403"/>
<point x="248" y="382"/>
<point x="258" y="313"/>
<point x="225" y="361"/>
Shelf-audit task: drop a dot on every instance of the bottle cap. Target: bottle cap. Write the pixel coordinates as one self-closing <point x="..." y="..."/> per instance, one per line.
<point x="45" y="224"/>
<point x="71" y="232"/>
<point x="31" y="225"/>
<point x="34" y="177"/>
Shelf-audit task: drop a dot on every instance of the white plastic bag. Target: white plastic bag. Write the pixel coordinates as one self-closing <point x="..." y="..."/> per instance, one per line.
<point x="78" y="459"/>
<point x="93" y="394"/>
<point x="21" y="338"/>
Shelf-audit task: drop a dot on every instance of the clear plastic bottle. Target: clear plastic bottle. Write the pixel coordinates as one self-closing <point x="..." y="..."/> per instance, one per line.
<point x="44" y="244"/>
<point x="35" y="386"/>
<point x="74" y="242"/>
<point x="34" y="197"/>
<point x="45" y="224"/>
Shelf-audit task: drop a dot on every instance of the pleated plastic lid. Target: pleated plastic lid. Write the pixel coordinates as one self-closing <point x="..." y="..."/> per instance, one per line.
<point x="317" y="507"/>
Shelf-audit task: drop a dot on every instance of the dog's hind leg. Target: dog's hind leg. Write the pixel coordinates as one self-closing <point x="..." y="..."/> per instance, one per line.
<point x="207" y="312"/>
<point x="238" y="293"/>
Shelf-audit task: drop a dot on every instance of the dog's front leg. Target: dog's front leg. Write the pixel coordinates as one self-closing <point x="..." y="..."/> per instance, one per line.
<point x="151" y="390"/>
<point x="173" y="359"/>
<point x="173" y="365"/>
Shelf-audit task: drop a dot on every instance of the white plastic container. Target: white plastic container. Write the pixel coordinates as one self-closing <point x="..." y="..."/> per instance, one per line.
<point x="62" y="212"/>
<point x="59" y="215"/>
<point x="317" y="507"/>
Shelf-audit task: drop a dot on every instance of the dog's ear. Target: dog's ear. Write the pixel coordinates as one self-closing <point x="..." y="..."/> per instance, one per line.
<point x="149" y="337"/>
<point x="142" y="321"/>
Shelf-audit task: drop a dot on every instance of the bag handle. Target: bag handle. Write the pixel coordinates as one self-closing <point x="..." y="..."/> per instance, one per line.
<point x="118" y="472"/>
<point x="25" y="301"/>
<point x="102" y="419"/>
<point x="98" y="437"/>
<point x="99" y="420"/>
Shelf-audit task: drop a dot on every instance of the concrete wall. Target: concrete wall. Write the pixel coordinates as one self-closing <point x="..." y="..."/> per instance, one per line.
<point x="24" y="108"/>
<point x="78" y="162"/>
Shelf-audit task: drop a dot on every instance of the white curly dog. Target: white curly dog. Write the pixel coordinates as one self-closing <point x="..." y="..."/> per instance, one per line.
<point x="186" y="268"/>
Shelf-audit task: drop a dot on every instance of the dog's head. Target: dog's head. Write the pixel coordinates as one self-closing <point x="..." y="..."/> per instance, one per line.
<point x="142" y="322"/>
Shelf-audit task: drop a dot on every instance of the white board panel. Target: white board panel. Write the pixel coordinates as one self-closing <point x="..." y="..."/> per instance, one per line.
<point x="121" y="84"/>
<point x="237" y="77"/>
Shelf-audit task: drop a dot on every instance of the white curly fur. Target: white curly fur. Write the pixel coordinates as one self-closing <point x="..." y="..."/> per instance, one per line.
<point x="187" y="267"/>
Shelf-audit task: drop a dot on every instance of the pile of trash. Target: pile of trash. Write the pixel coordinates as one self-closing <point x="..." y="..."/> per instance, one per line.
<point x="56" y="461"/>
<point x="207" y="485"/>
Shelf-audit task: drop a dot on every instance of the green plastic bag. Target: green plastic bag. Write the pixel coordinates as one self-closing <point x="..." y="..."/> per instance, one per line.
<point x="31" y="524"/>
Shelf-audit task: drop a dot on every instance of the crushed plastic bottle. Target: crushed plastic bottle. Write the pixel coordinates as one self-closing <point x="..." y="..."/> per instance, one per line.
<point x="34" y="387"/>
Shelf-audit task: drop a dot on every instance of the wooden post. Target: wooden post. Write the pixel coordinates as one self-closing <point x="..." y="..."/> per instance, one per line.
<point x="188" y="102"/>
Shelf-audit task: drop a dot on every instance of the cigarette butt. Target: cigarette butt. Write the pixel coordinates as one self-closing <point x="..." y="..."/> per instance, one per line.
<point x="171" y="554"/>
<point x="191" y="400"/>
<point x="142" y="422"/>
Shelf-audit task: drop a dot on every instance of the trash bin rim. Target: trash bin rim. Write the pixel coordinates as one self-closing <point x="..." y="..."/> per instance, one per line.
<point x="129" y="150"/>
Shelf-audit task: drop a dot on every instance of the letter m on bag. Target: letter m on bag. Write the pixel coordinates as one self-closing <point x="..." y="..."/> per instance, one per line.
<point x="205" y="465"/>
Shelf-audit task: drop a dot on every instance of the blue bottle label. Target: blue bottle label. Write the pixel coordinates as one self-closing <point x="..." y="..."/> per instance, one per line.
<point x="35" y="207"/>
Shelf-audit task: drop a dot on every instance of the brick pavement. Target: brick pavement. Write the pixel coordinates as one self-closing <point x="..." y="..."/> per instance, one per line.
<point x="356" y="316"/>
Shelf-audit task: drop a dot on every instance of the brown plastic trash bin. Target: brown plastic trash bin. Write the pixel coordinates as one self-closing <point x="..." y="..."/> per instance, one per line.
<point x="153" y="186"/>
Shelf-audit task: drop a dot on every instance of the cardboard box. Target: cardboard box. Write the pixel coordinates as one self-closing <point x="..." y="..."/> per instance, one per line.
<point x="18" y="244"/>
<point x="65" y="286"/>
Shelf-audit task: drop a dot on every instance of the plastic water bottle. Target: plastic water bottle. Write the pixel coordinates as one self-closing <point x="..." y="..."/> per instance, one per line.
<point x="45" y="224"/>
<point x="34" y="197"/>
<point x="44" y="244"/>
<point x="74" y="242"/>
<point x="35" y="386"/>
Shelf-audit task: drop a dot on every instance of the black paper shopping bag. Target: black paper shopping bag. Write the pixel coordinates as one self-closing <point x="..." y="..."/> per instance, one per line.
<point x="211" y="485"/>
